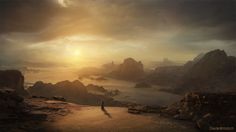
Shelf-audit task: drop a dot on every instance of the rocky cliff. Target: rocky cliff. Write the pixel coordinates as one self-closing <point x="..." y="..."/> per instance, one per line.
<point x="214" y="71"/>
<point x="12" y="79"/>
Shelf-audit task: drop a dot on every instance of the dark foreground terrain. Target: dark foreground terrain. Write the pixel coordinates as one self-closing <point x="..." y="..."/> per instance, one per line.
<point x="41" y="114"/>
<point x="29" y="114"/>
<point x="195" y="112"/>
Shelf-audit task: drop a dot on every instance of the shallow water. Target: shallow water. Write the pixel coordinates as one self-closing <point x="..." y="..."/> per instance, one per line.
<point x="148" y="96"/>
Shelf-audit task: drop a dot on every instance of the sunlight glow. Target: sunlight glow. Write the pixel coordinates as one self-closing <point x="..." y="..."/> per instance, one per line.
<point x="62" y="3"/>
<point x="72" y="54"/>
<point x="76" y="52"/>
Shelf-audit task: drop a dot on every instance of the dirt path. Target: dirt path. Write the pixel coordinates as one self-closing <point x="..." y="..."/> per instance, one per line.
<point x="113" y="119"/>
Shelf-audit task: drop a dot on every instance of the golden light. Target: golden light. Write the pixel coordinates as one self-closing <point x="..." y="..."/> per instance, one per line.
<point x="72" y="54"/>
<point x="62" y="3"/>
<point x="76" y="52"/>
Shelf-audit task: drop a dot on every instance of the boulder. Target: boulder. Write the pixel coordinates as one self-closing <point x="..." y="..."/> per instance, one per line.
<point x="206" y="109"/>
<point x="59" y="98"/>
<point x="204" y="123"/>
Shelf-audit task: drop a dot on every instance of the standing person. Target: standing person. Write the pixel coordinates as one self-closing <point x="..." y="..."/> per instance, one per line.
<point x="102" y="105"/>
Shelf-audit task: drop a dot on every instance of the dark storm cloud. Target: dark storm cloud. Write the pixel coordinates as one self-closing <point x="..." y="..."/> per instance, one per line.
<point x="26" y="15"/>
<point x="216" y="17"/>
<point x="120" y="18"/>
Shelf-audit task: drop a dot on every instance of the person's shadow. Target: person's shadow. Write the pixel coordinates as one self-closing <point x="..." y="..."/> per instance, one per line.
<point x="106" y="113"/>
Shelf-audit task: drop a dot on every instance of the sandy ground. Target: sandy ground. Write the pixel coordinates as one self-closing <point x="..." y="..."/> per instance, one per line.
<point x="116" y="119"/>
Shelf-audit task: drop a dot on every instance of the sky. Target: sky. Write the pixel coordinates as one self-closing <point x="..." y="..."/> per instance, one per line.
<point x="79" y="33"/>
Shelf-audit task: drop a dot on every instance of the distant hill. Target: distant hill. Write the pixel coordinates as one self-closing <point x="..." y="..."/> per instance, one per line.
<point x="215" y="71"/>
<point x="211" y="72"/>
<point x="130" y="69"/>
<point x="72" y="91"/>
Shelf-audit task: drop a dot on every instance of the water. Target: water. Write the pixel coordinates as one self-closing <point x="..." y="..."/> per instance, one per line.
<point x="147" y="96"/>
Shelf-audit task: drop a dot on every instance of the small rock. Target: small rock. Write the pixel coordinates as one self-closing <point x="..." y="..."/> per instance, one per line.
<point x="205" y="122"/>
<point x="59" y="98"/>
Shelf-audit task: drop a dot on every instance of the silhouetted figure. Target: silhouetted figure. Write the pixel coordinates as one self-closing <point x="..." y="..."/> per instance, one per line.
<point x="102" y="105"/>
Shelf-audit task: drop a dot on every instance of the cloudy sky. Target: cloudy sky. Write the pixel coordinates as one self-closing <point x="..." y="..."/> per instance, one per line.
<point x="61" y="33"/>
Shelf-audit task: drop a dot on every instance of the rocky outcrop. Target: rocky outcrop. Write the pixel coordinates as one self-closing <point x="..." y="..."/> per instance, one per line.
<point x="129" y="70"/>
<point x="208" y="110"/>
<point x="29" y="114"/>
<point x="139" y="109"/>
<point x="13" y="79"/>
<point x="73" y="91"/>
<point x="100" y="90"/>
<point x="212" y="72"/>
<point x="96" y="88"/>
<point x="67" y="89"/>
<point x="10" y="101"/>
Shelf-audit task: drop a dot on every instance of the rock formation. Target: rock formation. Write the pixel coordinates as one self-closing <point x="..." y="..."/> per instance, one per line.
<point x="12" y="79"/>
<point x="65" y="89"/>
<point x="10" y="101"/>
<point x="210" y="72"/>
<point x="206" y="109"/>
<point x="129" y="70"/>
<point x="72" y="91"/>
<point x="213" y="72"/>
<point x="92" y="87"/>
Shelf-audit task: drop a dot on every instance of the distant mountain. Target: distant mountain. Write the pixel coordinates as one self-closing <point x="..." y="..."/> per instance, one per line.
<point x="211" y="72"/>
<point x="194" y="61"/>
<point x="130" y="69"/>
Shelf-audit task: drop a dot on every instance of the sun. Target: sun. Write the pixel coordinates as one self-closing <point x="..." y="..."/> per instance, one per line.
<point x="76" y="52"/>
<point x="72" y="53"/>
